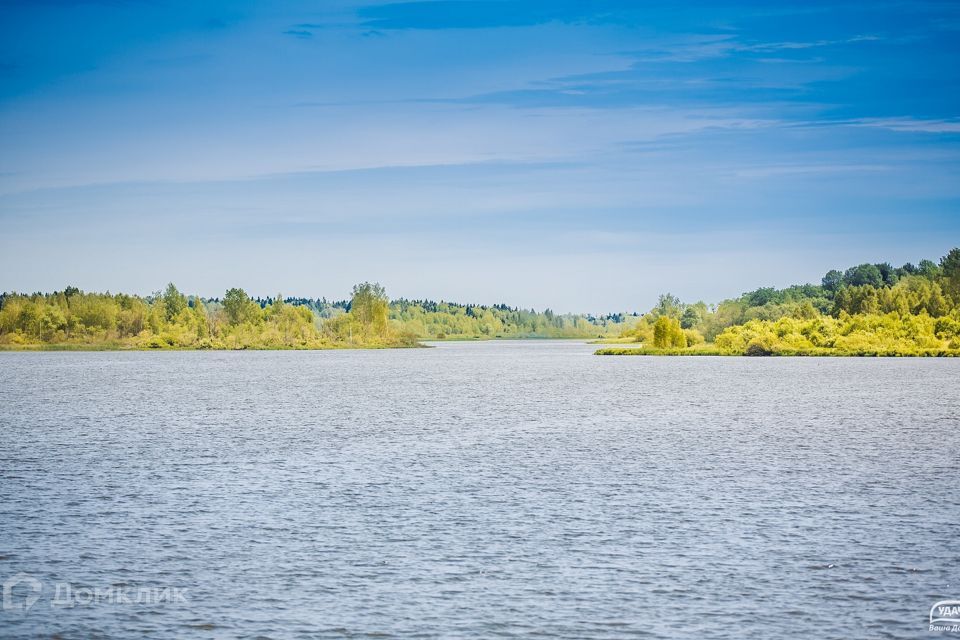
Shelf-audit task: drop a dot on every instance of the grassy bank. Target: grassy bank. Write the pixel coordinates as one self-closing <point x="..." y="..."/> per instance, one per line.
<point x="700" y="350"/>
<point x="711" y="350"/>
<point x="120" y="346"/>
<point x="106" y="346"/>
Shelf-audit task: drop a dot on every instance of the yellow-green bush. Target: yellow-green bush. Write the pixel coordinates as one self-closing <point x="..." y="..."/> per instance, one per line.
<point x="861" y="334"/>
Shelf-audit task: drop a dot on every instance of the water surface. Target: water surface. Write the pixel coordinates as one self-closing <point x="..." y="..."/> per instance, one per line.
<point x="479" y="490"/>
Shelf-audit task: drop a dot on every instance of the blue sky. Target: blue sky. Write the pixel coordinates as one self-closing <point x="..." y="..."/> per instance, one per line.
<point x="584" y="156"/>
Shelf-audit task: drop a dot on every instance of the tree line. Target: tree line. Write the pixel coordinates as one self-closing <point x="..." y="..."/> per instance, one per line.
<point x="867" y="309"/>
<point x="172" y="319"/>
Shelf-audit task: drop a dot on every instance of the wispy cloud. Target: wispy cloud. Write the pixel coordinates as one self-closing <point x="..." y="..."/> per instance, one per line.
<point x="475" y="14"/>
<point x="907" y="124"/>
<point x="800" y="169"/>
<point x="778" y="46"/>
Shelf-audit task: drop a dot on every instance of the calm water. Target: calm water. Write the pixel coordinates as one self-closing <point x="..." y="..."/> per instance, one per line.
<point x="478" y="490"/>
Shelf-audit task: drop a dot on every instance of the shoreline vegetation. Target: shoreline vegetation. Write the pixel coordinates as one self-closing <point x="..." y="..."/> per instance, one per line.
<point x="866" y="310"/>
<point x="708" y="350"/>
<point x="870" y="310"/>
<point x="72" y="320"/>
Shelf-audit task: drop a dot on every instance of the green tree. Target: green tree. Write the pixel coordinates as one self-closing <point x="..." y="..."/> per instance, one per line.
<point x="668" y="305"/>
<point x="887" y="273"/>
<point x="691" y="317"/>
<point x="863" y="274"/>
<point x="173" y="302"/>
<point x="950" y="271"/>
<point x="762" y="296"/>
<point x="668" y="333"/>
<point x="832" y="281"/>
<point x="370" y="307"/>
<point x="200" y="320"/>
<point x="928" y="269"/>
<point x="236" y="304"/>
<point x="805" y="310"/>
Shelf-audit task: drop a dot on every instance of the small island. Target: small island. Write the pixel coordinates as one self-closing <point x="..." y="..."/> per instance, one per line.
<point x="867" y="310"/>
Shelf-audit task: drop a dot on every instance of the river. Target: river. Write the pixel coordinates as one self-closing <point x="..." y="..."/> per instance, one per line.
<point x="476" y="490"/>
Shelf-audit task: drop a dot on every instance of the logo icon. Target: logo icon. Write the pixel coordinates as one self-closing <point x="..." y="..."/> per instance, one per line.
<point x="945" y="612"/>
<point x="21" y="592"/>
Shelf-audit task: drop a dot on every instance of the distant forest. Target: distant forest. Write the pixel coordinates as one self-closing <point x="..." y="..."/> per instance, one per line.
<point x="867" y="309"/>
<point x="170" y="319"/>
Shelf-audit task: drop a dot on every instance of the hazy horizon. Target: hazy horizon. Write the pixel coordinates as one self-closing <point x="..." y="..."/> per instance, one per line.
<point x="584" y="157"/>
<point x="345" y="295"/>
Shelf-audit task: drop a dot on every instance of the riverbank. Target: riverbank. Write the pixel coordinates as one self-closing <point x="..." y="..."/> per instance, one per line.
<point x="112" y="347"/>
<point x="119" y="346"/>
<point x="161" y="345"/>
<point x="711" y="350"/>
